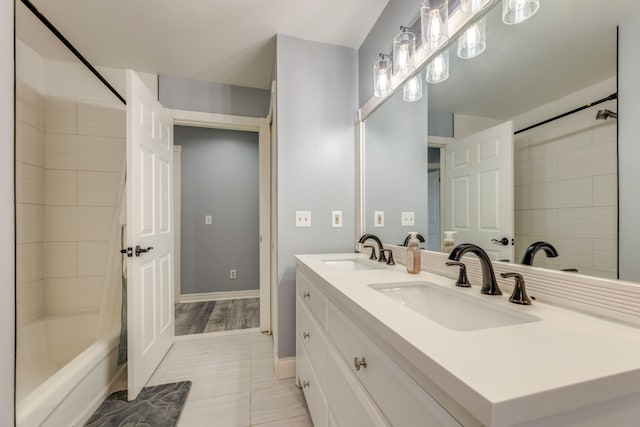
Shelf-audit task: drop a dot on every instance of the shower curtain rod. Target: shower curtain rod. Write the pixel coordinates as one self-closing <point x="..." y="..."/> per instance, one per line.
<point x="591" y="104"/>
<point x="72" y="48"/>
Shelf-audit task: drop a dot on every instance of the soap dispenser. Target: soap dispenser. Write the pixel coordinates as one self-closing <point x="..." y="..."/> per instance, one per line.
<point x="413" y="254"/>
<point x="449" y="242"/>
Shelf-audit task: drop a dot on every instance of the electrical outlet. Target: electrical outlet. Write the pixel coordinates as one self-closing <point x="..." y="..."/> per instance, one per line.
<point x="336" y="219"/>
<point x="208" y="220"/>
<point x="378" y="219"/>
<point x="408" y="219"/>
<point x="303" y="219"/>
<point x="233" y="274"/>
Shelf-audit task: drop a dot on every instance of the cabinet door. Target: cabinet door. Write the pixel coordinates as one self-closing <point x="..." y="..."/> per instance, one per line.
<point x="350" y="405"/>
<point x="313" y="393"/>
<point x="312" y="338"/>
<point x="401" y="399"/>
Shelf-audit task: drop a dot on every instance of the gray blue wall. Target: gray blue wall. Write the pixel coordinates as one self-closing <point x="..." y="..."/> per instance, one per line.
<point x="396" y="167"/>
<point x="7" y="246"/>
<point x="629" y="149"/>
<point x="317" y="97"/>
<point x="219" y="178"/>
<point x="210" y="97"/>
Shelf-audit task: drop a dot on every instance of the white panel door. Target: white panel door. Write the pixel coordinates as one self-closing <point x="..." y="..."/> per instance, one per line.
<point x="433" y="196"/>
<point x="150" y="293"/>
<point x="479" y="190"/>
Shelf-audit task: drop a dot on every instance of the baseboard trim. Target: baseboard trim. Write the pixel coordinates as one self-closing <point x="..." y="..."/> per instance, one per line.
<point x="285" y="368"/>
<point x="218" y="296"/>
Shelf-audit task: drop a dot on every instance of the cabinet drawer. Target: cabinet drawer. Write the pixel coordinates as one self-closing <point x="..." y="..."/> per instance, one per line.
<point x="350" y="405"/>
<point x="312" y="298"/>
<point x="316" y="401"/>
<point x="402" y="400"/>
<point x="314" y="342"/>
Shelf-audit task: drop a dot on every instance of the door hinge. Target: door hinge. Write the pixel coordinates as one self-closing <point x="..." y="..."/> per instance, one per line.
<point x="127" y="251"/>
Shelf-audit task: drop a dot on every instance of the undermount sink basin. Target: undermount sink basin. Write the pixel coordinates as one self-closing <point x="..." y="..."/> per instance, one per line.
<point x="354" y="264"/>
<point x="451" y="308"/>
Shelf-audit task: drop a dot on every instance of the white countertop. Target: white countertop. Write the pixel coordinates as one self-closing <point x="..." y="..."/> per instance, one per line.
<point x="504" y="375"/>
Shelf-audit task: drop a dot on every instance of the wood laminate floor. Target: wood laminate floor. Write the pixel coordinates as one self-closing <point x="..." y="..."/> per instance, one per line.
<point x="214" y="316"/>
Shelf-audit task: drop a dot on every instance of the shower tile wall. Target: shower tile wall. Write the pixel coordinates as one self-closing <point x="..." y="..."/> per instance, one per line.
<point x="566" y="184"/>
<point x="30" y="172"/>
<point x="69" y="157"/>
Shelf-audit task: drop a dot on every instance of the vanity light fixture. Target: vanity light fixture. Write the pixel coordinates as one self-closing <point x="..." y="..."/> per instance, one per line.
<point x="434" y="18"/>
<point x="382" y="76"/>
<point x="517" y="11"/>
<point x="412" y="90"/>
<point x="473" y="41"/>
<point x="404" y="49"/>
<point x="438" y="68"/>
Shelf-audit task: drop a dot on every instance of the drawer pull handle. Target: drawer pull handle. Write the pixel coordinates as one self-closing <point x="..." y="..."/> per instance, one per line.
<point x="306" y="335"/>
<point x="306" y="295"/>
<point x="305" y="384"/>
<point x="359" y="363"/>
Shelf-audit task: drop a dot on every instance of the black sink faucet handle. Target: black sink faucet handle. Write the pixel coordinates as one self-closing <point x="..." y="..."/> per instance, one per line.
<point x="519" y="295"/>
<point x="463" y="280"/>
<point x="373" y="251"/>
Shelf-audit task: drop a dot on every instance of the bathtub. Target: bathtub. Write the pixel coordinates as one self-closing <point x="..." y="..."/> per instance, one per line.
<point x="64" y="372"/>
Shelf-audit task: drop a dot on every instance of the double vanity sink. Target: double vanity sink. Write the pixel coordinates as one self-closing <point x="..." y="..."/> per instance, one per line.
<point x="483" y="360"/>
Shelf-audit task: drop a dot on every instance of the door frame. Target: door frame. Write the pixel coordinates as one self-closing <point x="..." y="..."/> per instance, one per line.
<point x="262" y="127"/>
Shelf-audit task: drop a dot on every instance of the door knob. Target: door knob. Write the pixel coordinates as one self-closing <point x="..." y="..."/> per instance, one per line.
<point x="504" y="241"/>
<point x="140" y="250"/>
<point x="359" y="363"/>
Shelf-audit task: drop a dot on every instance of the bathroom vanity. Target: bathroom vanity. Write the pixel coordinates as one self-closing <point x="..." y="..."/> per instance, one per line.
<point x="373" y="349"/>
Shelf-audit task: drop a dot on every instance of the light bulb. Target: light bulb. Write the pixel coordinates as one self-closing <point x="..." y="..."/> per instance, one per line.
<point x="517" y="11"/>
<point x="434" y="16"/>
<point x="404" y="48"/>
<point x="412" y="90"/>
<point x="381" y="77"/>
<point x="473" y="41"/>
<point x="438" y="68"/>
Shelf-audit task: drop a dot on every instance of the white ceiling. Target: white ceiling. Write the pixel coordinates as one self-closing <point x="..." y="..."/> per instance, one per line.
<point x="226" y="41"/>
<point x="568" y="45"/>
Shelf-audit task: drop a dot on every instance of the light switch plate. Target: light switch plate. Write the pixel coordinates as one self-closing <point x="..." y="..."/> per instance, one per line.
<point x="336" y="219"/>
<point x="303" y="219"/>
<point x="378" y="219"/>
<point x="408" y="219"/>
<point x="208" y="220"/>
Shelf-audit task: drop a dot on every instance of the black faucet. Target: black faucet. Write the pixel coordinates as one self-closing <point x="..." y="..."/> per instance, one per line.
<point x="418" y="236"/>
<point x="489" y="283"/>
<point x="376" y="239"/>
<point x="548" y="248"/>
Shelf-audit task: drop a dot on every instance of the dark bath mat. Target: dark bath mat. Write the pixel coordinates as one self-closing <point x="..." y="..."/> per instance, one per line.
<point x="157" y="406"/>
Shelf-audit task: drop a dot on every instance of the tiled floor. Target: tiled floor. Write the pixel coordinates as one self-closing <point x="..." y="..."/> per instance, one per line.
<point x="233" y="382"/>
<point x="213" y="316"/>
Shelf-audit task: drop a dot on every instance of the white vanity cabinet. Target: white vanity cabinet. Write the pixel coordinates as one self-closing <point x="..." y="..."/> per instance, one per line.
<point x="346" y="378"/>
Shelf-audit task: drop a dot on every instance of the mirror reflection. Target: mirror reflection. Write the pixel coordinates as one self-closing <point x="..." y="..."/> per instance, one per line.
<point x="562" y="186"/>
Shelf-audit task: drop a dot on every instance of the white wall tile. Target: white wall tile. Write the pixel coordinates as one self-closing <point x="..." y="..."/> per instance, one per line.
<point x="92" y="258"/>
<point x="29" y="301"/>
<point x="605" y="255"/>
<point x="77" y="152"/>
<point x="595" y="160"/>
<point x="98" y="188"/>
<point x="29" y="223"/>
<point x="605" y="190"/>
<point x="29" y="184"/>
<point x="595" y="223"/>
<point x="60" y="259"/>
<point x="29" y="144"/>
<point x="60" y="115"/>
<point x="542" y="169"/>
<point x="78" y="223"/>
<point x="541" y="222"/>
<point x="61" y="187"/>
<point x="29" y="105"/>
<point x="73" y="295"/>
<point x="574" y="252"/>
<point x="101" y="120"/>
<point x="29" y="262"/>
<point x="561" y="194"/>
<point x="569" y="136"/>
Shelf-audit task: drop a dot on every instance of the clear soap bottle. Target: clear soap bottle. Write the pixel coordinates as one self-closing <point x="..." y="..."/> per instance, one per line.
<point x="413" y="254"/>
<point x="449" y="242"/>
